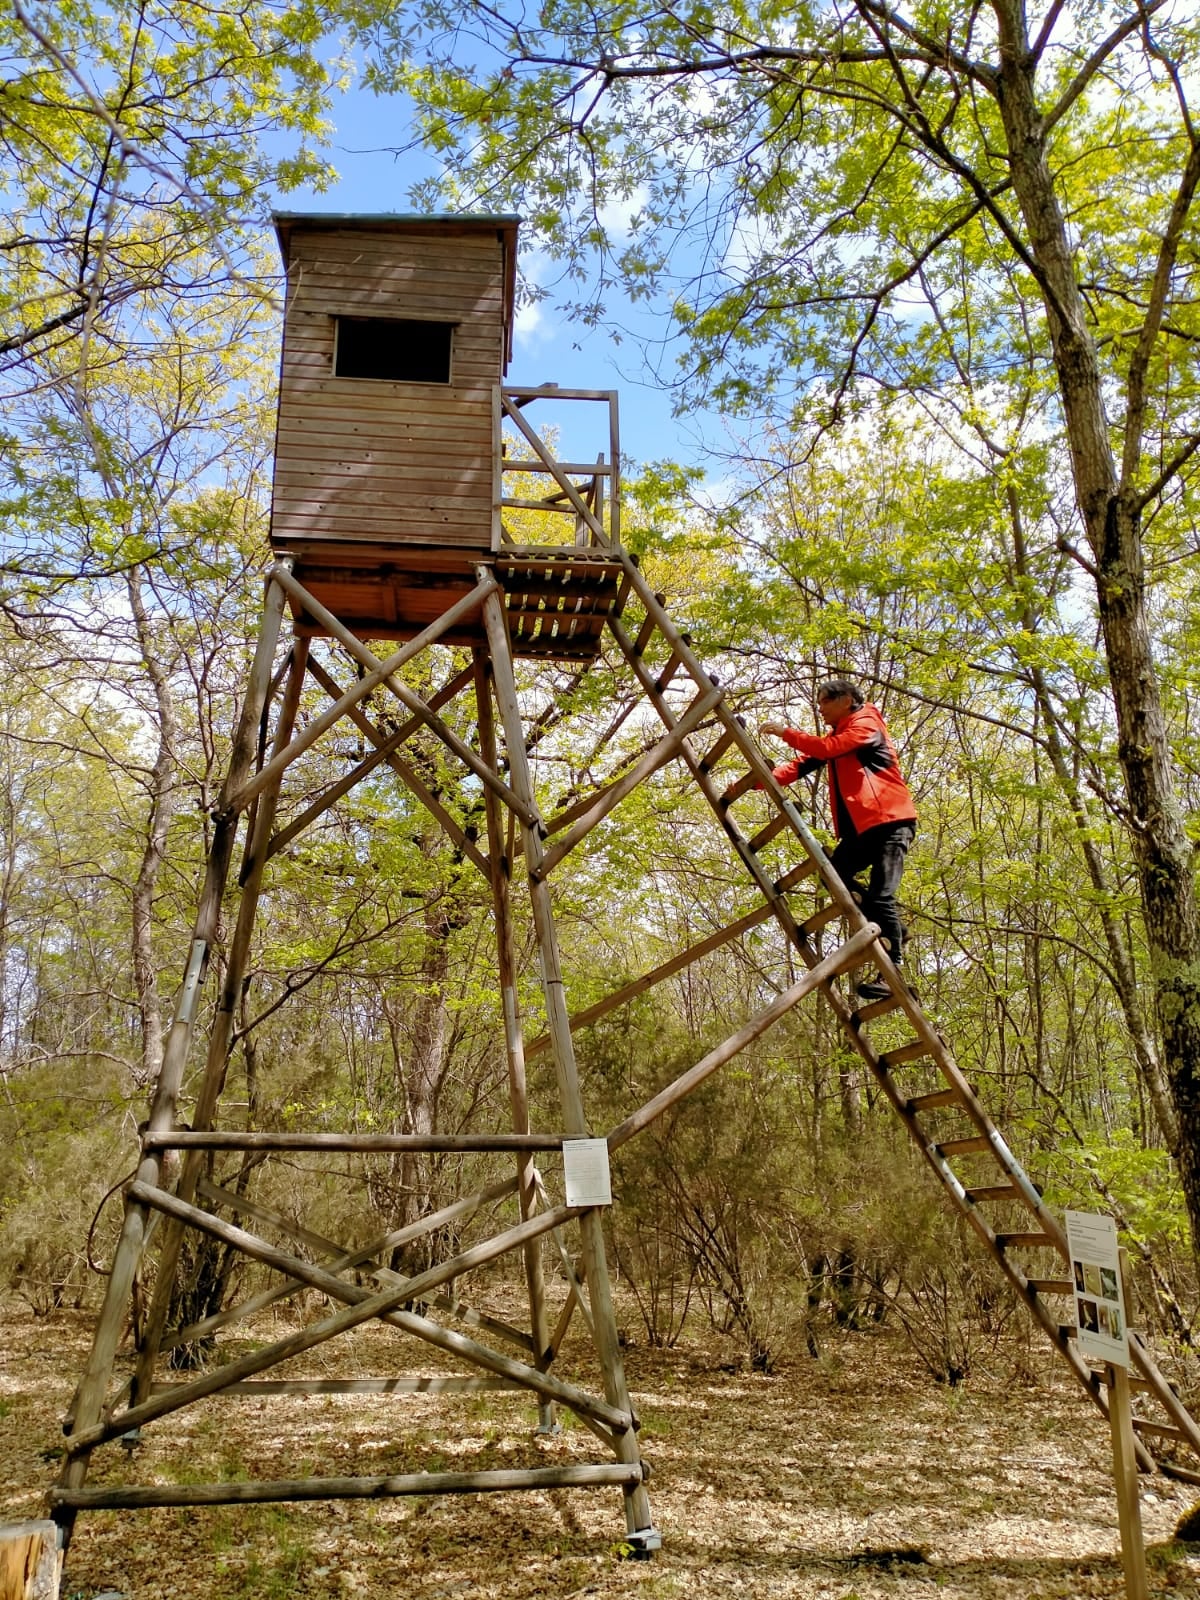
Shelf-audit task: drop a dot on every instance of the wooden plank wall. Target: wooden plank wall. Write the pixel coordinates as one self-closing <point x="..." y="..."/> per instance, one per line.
<point x="367" y="460"/>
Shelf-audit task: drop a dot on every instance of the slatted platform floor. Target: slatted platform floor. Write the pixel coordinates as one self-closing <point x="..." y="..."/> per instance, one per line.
<point x="556" y="599"/>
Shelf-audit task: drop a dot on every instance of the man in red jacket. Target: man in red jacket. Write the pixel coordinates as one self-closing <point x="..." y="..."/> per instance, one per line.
<point x="873" y="813"/>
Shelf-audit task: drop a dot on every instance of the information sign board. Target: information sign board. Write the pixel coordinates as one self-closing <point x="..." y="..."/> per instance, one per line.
<point x="585" y="1168"/>
<point x="1099" y="1297"/>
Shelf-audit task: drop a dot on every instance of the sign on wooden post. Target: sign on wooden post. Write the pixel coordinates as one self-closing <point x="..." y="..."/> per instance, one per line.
<point x="1099" y="1293"/>
<point x="1101" y="1301"/>
<point x="586" y="1172"/>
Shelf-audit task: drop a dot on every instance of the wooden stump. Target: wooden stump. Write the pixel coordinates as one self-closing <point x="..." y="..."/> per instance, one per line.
<point x="30" y="1560"/>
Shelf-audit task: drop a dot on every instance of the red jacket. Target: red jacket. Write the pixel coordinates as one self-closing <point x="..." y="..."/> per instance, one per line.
<point x="864" y="774"/>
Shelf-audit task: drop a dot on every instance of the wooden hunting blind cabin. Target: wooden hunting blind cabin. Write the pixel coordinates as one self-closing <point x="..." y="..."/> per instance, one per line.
<point x="392" y="447"/>
<point x="416" y="502"/>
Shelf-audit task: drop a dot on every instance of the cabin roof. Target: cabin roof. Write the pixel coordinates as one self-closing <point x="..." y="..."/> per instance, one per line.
<point x="444" y="223"/>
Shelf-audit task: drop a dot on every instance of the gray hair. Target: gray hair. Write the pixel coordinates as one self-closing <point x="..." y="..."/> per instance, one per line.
<point x="834" y="688"/>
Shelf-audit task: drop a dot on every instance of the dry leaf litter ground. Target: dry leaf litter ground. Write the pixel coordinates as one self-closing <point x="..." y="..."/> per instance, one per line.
<point x="853" y="1477"/>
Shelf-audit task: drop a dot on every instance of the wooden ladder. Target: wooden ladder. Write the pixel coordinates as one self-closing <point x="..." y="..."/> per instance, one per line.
<point x="923" y="1084"/>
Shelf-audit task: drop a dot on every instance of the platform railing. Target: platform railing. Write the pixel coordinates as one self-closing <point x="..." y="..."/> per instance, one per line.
<point x="589" y="493"/>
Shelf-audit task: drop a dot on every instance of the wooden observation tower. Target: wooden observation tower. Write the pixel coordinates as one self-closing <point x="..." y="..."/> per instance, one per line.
<point x="400" y="514"/>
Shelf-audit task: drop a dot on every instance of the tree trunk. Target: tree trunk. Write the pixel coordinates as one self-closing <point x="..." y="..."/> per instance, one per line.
<point x="420" y="1064"/>
<point x="1108" y="506"/>
<point x="161" y="788"/>
<point x="1145" y="1049"/>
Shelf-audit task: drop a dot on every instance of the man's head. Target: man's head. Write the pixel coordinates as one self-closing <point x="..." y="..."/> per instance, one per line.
<point x="836" y="698"/>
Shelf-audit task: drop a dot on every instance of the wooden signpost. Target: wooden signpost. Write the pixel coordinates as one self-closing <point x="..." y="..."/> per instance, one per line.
<point x="1098" y="1267"/>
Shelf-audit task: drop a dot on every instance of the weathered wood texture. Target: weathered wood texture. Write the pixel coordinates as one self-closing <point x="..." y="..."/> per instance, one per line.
<point x="30" y="1561"/>
<point x="373" y="459"/>
<point x="497" y="1480"/>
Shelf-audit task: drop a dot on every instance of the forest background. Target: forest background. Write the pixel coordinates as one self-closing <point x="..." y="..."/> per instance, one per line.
<point x="935" y="268"/>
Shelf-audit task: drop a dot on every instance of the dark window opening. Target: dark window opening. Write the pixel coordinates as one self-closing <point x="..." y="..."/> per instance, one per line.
<point x="397" y="351"/>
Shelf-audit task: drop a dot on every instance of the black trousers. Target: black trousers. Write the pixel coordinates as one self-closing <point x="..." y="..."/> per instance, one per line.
<point x="880" y="852"/>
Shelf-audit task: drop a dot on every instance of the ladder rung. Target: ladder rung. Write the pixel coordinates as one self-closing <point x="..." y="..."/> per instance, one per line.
<point x="930" y="1102"/>
<point x="791" y="878"/>
<point x="738" y="788"/>
<point x="718" y="750"/>
<point x="1033" y="1240"/>
<point x="877" y="1008"/>
<point x="903" y="1053"/>
<point x="764" y="835"/>
<point x="964" y="1147"/>
<point x="1160" y="1430"/>
<point x="994" y="1191"/>
<point x="1052" y="1285"/>
<point x="644" y="632"/>
<point x="1144" y="1386"/>
<point x="668" y="672"/>
<point x="822" y="918"/>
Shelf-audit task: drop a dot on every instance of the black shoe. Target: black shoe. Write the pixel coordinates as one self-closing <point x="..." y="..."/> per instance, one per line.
<point x="876" y="989"/>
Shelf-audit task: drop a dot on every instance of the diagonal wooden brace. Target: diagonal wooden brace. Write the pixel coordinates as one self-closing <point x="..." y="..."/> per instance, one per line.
<point x="377" y="672"/>
<point x="486" y="589"/>
<point x="846" y="955"/>
<point x="667" y="747"/>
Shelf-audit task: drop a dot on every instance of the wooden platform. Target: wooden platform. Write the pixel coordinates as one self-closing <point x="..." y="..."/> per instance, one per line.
<point x="556" y="598"/>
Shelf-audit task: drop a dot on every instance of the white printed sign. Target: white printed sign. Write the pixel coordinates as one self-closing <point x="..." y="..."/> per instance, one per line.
<point x="585" y="1168"/>
<point x="1099" y="1300"/>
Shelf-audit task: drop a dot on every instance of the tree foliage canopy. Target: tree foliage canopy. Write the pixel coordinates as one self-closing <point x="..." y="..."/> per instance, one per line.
<point x="828" y="196"/>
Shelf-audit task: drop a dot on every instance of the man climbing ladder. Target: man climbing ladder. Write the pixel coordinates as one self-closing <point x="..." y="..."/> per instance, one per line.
<point x="873" y="813"/>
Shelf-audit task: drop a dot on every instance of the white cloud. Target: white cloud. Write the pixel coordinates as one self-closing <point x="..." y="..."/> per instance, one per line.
<point x="531" y="327"/>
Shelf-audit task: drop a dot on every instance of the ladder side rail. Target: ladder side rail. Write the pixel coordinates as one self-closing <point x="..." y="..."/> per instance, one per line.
<point x="950" y="1181"/>
<point x="750" y="861"/>
<point x="740" y="736"/>
<point x="1026" y="1293"/>
<point x="841" y="894"/>
<point x="1027" y="1192"/>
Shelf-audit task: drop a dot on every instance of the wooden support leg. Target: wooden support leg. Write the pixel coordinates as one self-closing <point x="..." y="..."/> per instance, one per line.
<point x="514" y="1044"/>
<point x="1125" y="1474"/>
<point x="89" y="1397"/>
<point x="640" y="1529"/>
<point x="222" y="1027"/>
